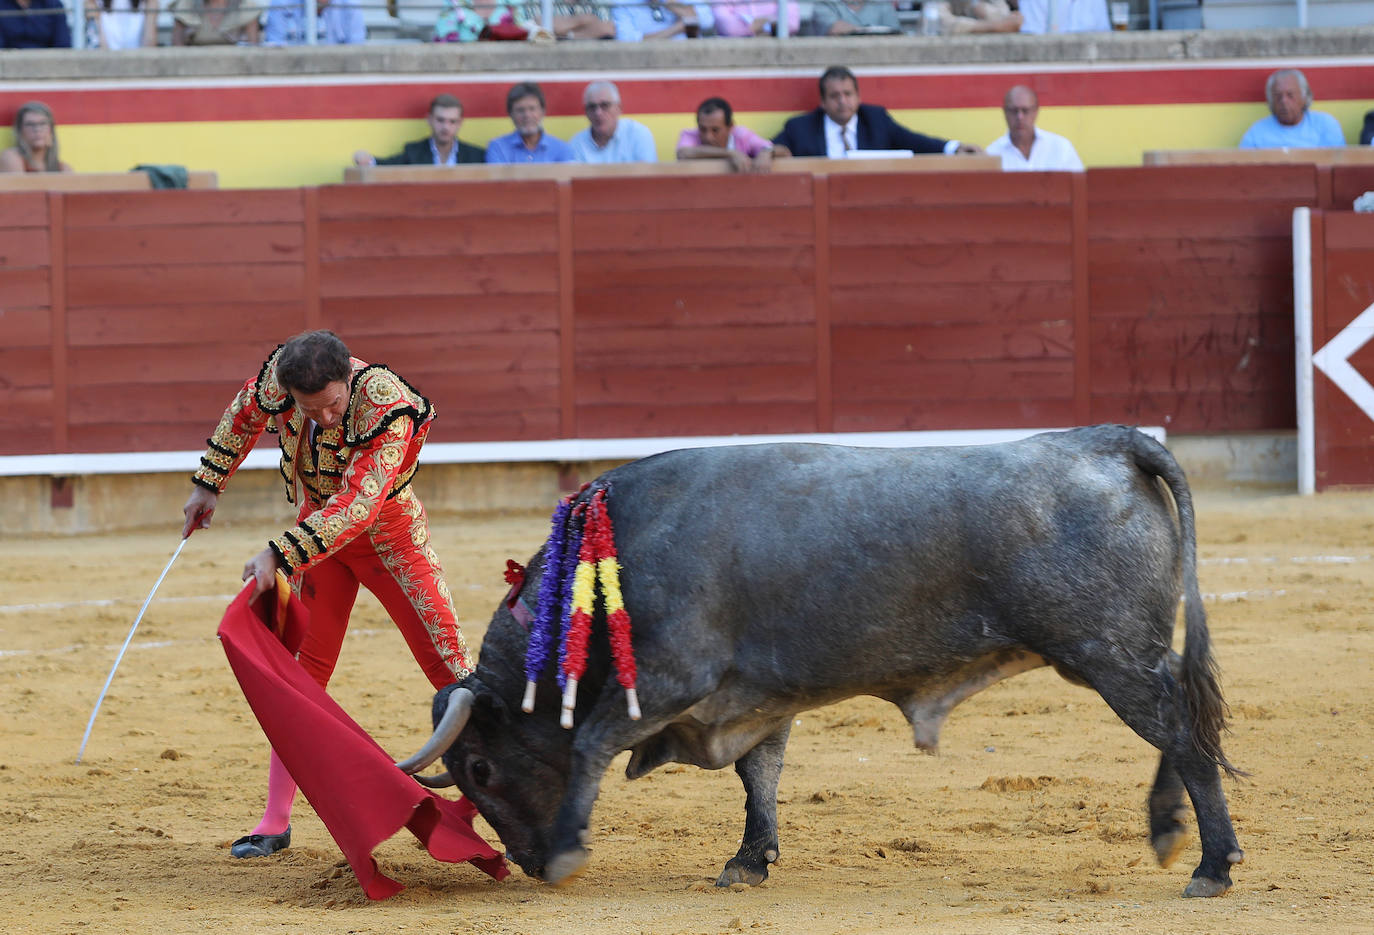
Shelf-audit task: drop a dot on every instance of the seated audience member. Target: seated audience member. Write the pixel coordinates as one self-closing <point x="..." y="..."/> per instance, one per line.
<point x="121" y="24"/>
<point x="717" y="137"/>
<point x="638" y="20"/>
<point x="1292" y="122"/>
<point x="1025" y="147"/>
<point x="1049" y="16"/>
<point x="841" y="124"/>
<point x="214" y="22"/>
<point x="529" y="142"/>
<point x="338" y="22"/>
<point x="842" y="17"/>
<point x="34" y="24"/>
<point x="1367" y="133"/>
<point x="441" y="148"/>
<point x="464" y="21"/>
<point x="35" y="142"/>
<point x="608" y="136"/>
<point x="746" y="18"/>
<point x="960" y="17"/>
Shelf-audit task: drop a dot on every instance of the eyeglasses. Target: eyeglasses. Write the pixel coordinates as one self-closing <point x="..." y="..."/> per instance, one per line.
<point x="35" y="124"/>
<point x="599" y="105"/>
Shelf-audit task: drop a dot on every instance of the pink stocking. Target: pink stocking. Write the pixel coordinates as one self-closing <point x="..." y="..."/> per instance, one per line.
<point x="281" y="793"/>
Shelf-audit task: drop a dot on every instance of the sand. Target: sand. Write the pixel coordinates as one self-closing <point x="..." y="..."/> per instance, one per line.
<point x="1031" y="818"/>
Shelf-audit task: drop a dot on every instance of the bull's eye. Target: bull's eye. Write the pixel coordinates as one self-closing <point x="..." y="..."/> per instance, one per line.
<point x="481" y="772"/>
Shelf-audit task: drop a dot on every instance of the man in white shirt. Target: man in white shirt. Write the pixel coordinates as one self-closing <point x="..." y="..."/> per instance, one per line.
<point x="1052" y="16"/>
<point x="1024" y="148"/>
<point x="608" y="136"/>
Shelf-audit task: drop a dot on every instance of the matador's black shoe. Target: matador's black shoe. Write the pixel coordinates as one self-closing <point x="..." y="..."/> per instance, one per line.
<point x="261" y="845"/>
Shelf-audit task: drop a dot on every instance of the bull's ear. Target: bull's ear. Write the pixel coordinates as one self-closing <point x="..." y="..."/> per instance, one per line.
<point x="490" y="708"/>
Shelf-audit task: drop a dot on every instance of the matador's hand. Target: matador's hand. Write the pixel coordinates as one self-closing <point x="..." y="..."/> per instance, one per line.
<point x="199" y="506"/>
<point x="263" y="567"/>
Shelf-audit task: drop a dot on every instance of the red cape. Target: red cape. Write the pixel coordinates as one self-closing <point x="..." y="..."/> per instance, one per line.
<point x="350" y="781"/>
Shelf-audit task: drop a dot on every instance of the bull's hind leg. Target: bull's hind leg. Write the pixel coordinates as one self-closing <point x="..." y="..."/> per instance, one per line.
<point x="1151" y="703"/>
<point x="759" y="770"/>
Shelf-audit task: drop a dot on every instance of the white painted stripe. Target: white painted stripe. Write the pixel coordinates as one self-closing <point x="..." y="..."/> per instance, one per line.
<point x="1294" y="559"/>
<point x="1227" y="597"/>
<point x="552" y="450"/>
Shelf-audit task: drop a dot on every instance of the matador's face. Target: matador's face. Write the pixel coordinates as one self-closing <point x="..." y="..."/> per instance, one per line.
<point x="327" y="407"/>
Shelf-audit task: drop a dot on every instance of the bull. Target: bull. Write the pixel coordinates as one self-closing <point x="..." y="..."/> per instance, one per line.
<point x="766" y="580"/>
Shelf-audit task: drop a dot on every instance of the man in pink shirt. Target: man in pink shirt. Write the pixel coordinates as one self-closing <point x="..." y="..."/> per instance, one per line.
<point x="717" y="137"/>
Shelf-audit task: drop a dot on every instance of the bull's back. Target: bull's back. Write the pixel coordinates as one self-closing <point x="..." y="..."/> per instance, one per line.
<point x="827" y="569"/>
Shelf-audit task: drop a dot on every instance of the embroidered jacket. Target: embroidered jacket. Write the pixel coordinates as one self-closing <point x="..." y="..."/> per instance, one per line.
<point x="341" y="481"/>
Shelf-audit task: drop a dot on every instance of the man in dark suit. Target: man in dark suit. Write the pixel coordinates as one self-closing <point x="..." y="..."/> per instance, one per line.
<point x="441" y="148"/>
<point x="843" y="124"/>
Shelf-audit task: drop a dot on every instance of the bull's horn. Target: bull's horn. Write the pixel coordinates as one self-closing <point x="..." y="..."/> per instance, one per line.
<point x="445" y="733"/>
<point x="437" y="781"/>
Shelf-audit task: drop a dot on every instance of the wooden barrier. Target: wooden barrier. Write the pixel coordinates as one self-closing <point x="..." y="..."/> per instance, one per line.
<point x="1329" y="156"/>
<point x="93" y="181"/>
<point x="626" y="307"/>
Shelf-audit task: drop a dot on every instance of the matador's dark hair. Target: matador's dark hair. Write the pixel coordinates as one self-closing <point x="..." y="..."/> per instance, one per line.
<point x="312" y="360"/>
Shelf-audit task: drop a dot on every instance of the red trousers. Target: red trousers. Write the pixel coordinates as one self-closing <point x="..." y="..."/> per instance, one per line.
<point x="392" y="559"/>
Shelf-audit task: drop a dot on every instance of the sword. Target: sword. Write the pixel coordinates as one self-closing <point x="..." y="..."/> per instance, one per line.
<point x="127" y="640"/>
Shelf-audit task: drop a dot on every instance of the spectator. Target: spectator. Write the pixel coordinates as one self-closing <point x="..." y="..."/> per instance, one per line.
<point x="608" y="136"/>
<point x="214" y="22"/>
<point x="744" y="18"/>
<point x="842" y="17"/>
<point x="337" y="22"/>
<point x="121" y="24"/>
<point x="1043" y="16"/>
<point x="441" y="148"/>
<point x="842" y="124"/>
<point x="529" y="142"/>
<point x="35" y="142"/>
<point x="1291" y="121"/>
<point x="717" y="137"/>
<point x="34" y="24"/>
<point x="1367" y="133"/>
<point x="464" y="21"/>
<point x="637" y="20"/>
<point x="959" y="17"/>
<point x="1025" y="147"/>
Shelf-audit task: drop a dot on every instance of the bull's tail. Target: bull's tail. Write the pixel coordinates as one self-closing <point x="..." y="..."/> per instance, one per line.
<point x="1199" y="677"/>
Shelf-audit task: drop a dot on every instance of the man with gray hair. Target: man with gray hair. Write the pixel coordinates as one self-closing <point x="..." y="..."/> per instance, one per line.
<point x="1292" y="122"/>
<point x="608" y="136"/>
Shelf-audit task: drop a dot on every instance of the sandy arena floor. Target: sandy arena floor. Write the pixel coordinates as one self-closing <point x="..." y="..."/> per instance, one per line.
<point x="1030" y="820"/>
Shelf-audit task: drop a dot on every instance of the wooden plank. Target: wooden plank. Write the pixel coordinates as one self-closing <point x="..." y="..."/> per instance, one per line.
<point x="696" y="347"/>
<point x="1347" y="184"/>
<point x="825" y="358"/>
<point x="26" y="420"/>
<point x="24" y="367"/>
<point x="879" y="303"/>
<point x="613" y="421"/>
<point x="727" y="192"/>
<point x="162" y="284"/>
<point x="990" y="340"/>
<point x="184" y="243"/>
<point x="24" y="209"/>
<point x="533" y="423"/>
<point x="951" y="263"/>
<point x="953" y="188"/>
<point x="687" y="268"/>
<point x="1191" y="220"/>
<point x="75" y="181"/>
<point x="858" y="380"/>
<point x="457" y="276"/>
<point x="1294" y="184"/>
<point x="652" y="387"/>
<point x="1151" y="294"/>
<point x="438" y="314"/>
<point x="205" y="208"/>
<point x="928" y="412"/>
<point x="718" y="228"/>
<point x="223" y="362"/>
<point x="1232" y="156"/>
<point x="134" y="435"/>
<point x="919" y="225"/>
<point x="707" y="305"/>
<point x="354" y="238"/>
<point x="567" y="315"/>
<point x="23" y="246"/>
<point x="26" y="287"/>
<point x="1082" y="311"/>
<point x="129" y="403"/>
<point x="1349" y="231"/>
<point x="184" y="323"/>
<point x="1154" y="353"/>
<point x="455" y="392"/>
<point x="25" y="328"/>
<point x="310" y="259"/>
<point x="923" y="163"/>
<point x="485" y="353"/>
<point x="481" y="173"/>
<point x="1348" y="466"/>
<point x="440" y="200"/>
<point x="1198" y="411"/>
<point x="57" y="320"/>
<point x="1349" y="284"/>
<point x="1179" y="258"/>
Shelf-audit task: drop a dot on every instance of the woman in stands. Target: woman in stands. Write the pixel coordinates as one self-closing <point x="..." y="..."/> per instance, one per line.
<point x="35" y="142"/>
<point x="121" y="24"/>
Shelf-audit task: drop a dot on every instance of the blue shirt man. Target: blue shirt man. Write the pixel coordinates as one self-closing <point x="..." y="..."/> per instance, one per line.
<point x="609" y="137"/>
<point x="1291" y="122"/>
<point x="339" y="23"/>
<point x="636" y="20"/>
<point x="529" y="142"/>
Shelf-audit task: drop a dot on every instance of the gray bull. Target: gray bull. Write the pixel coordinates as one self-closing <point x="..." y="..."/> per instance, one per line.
<point x="766" y="580"/>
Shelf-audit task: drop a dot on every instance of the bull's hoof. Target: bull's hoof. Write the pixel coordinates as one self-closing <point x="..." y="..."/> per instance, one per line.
<point x="1169" y="845"/>
<point x="1201" y="886"/>
<point x="737" y="871"/>
<point x="565" y="867"/>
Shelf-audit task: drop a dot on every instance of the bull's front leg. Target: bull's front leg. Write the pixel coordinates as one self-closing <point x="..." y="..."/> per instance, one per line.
<point x="567" y="842"/>
<point x="759" y="770"/>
